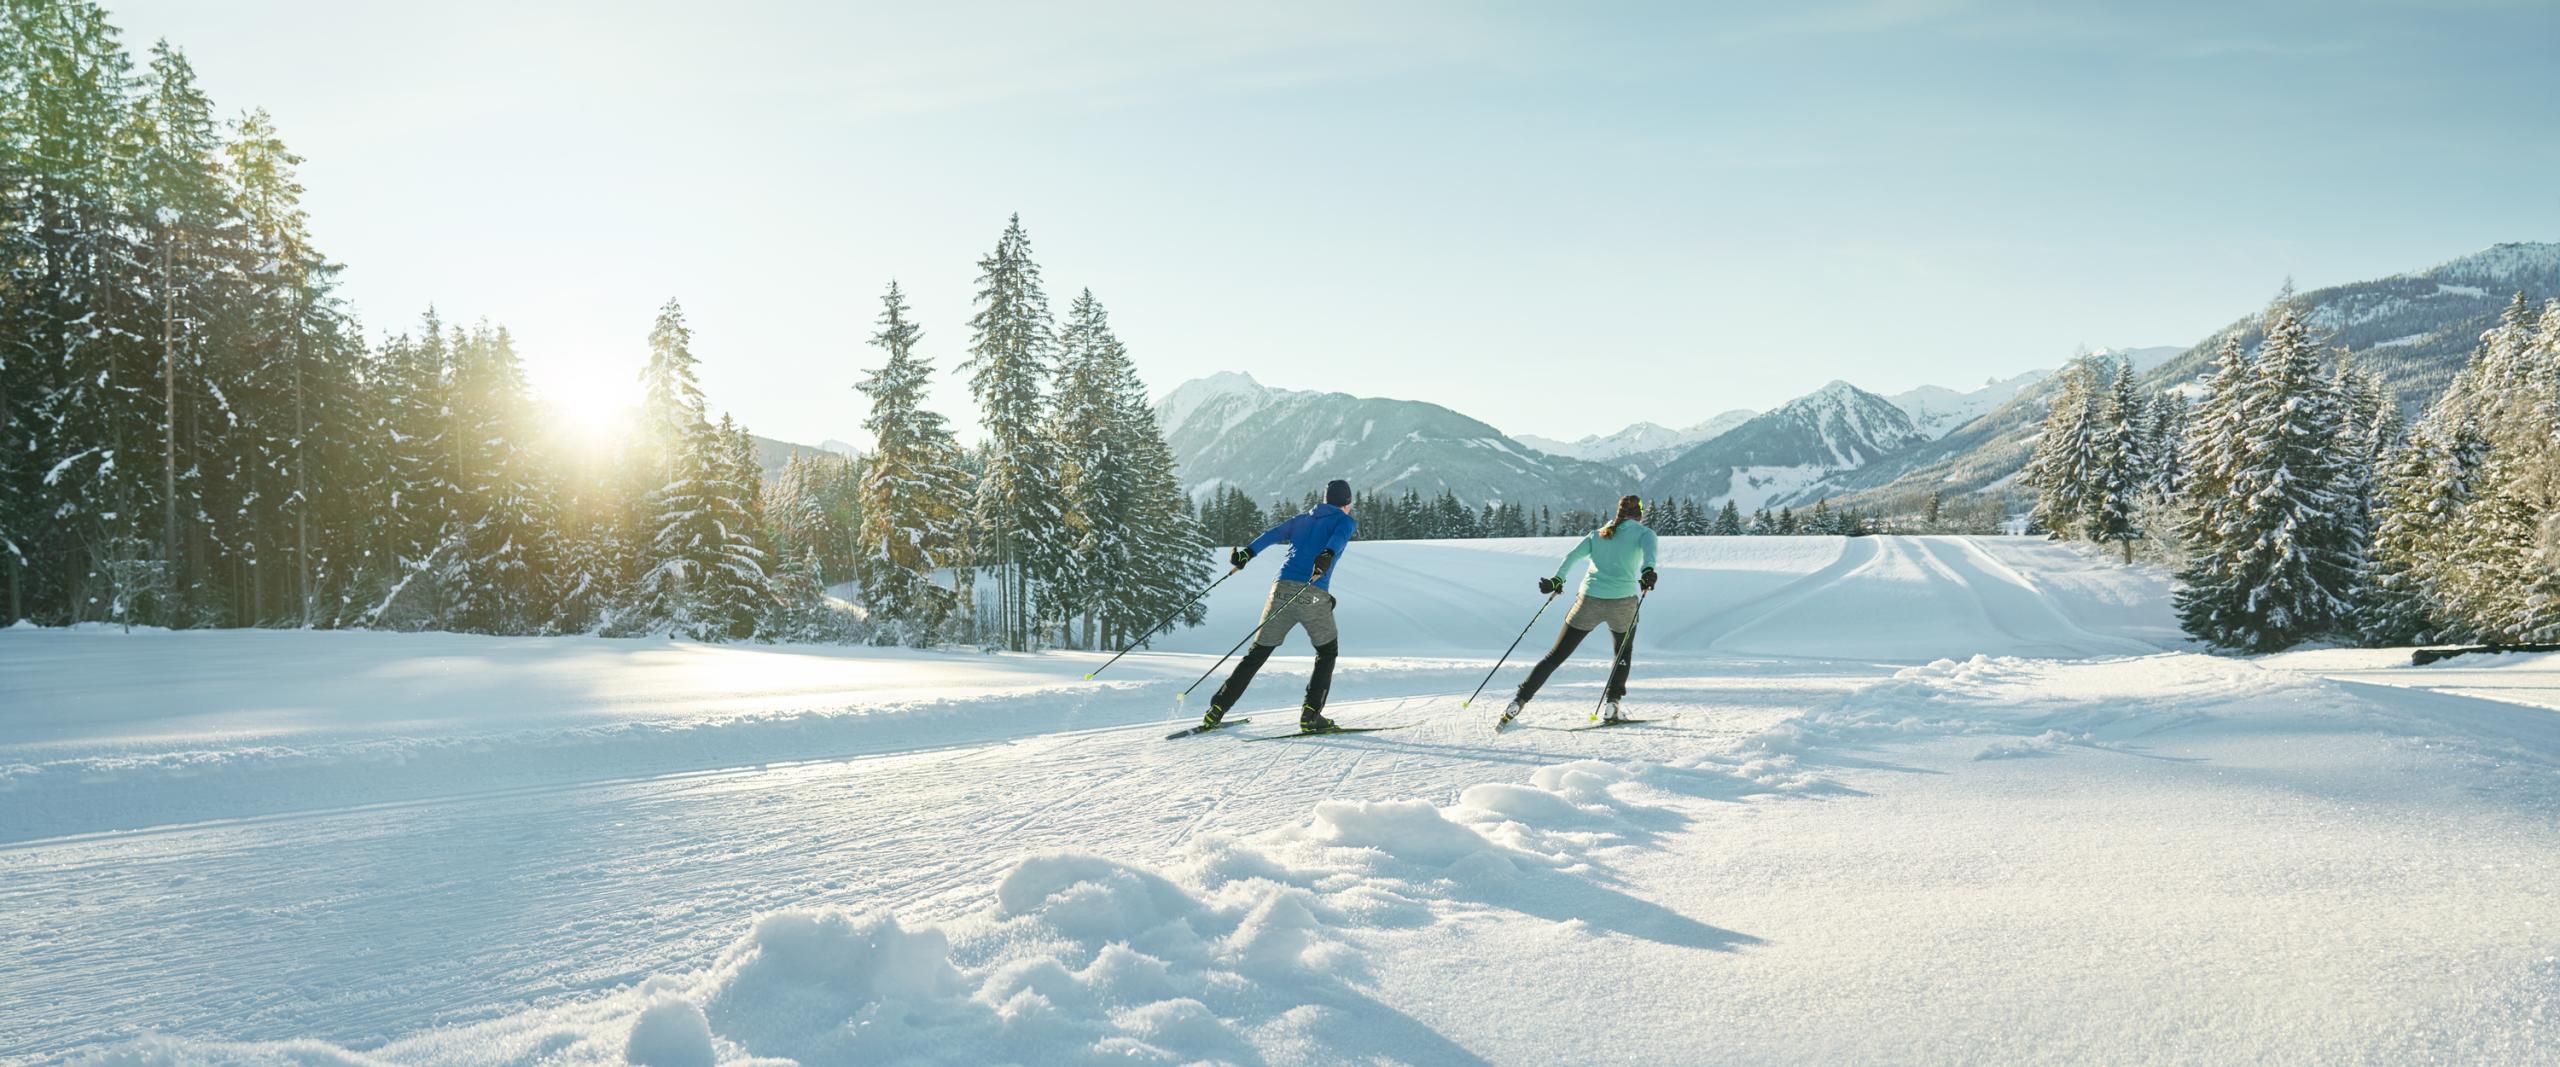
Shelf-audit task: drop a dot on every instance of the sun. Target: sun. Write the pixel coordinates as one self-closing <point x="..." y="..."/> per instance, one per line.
<point x="587" y="416"/>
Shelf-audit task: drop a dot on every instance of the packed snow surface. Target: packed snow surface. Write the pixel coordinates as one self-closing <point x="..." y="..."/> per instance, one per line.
<point x="1902" y="800"/>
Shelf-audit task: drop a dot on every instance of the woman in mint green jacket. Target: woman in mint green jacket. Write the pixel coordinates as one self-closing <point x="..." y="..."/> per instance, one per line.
<point x="1622" y="557"/>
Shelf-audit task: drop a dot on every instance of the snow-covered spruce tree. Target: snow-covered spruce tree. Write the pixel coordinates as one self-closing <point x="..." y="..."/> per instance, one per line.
<point x="2210" y="451"/>
<point x="814" y="508"/>
<point x="1020" y="522"/>
<point x="2424" y="484"/>
<point x="494" y="576"/>
<point x="2064" y="469"/>
<point x="1096" y="488"/>
<point x="189" y="230"/>
<point x="1138" y="554"/>
<point x="1728" y="521"/>
<point x="703" y="573"/>
<point x="704" y="579"/>
<point x="2165" y="435"/>
<point x="2122" y="460"/>
<point x="74" y="370"/>
<point x="913" y="490"/>
<point x="742" y="592"/>
<point x="2278" y="564"/>
<point x="2496" y="574"/>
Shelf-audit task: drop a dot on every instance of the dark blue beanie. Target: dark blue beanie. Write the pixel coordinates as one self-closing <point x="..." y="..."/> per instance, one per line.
<point x="1337" y="493"/>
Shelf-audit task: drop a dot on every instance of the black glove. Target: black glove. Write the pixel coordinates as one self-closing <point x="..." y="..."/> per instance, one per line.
<point x="1324" y="562"/>
<point x="1240" y="557"/>
<point x="1645" y="581"/>
<point x="1550" y="586"/>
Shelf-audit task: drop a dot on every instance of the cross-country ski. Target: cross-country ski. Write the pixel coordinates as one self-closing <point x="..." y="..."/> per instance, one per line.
<point x="1206" y="727"/>
<point x="1328" y="732"/>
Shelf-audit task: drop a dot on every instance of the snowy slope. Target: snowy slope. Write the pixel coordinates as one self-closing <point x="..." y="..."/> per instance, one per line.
<point x="1770" y="458"/>
<point x="2057" y="844"/>
<point x="1936" y="409"/>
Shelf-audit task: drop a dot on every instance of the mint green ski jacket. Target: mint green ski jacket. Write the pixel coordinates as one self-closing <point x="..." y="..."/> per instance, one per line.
<point x="1615" y="561"/>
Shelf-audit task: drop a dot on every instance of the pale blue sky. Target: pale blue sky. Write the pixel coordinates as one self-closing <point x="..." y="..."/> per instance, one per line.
<point x="1558" y="218"/>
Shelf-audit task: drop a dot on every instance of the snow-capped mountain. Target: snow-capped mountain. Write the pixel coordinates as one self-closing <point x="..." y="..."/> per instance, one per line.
<point x="1936" y="409"/>
<point x="2415" y="329"/>
<point x="1227" y="429"/>
<point x="1772" y="458"/>
<point x="1640" y="440"/>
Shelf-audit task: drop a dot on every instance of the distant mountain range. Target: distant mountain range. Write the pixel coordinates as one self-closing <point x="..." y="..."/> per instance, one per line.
<point x="1642" y="448"/>
<point x="1839" y="442"/>
<point x="1229" y="430"/>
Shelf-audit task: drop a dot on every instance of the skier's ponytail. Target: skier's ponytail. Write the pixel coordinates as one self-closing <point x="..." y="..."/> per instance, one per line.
<point x="1630" y="506"/>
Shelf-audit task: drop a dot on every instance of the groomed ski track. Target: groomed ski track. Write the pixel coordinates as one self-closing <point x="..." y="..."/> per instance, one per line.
<point x="358" y="914"/>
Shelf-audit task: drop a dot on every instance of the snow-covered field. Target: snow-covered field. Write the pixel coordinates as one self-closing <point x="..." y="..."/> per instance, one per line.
<point x="1906" y="800"/>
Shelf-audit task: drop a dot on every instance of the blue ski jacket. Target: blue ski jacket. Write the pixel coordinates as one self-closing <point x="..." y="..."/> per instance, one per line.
<point x="1311" y="533"/>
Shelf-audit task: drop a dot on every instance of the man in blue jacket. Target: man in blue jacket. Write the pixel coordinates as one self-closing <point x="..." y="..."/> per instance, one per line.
<point x="1301" y="597"/>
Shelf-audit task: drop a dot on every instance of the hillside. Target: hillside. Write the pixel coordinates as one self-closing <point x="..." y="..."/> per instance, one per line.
<point x="1775" y="455"/>
<point x="2416" y="329"/>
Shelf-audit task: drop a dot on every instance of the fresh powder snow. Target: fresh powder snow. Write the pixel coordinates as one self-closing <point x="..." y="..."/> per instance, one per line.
<point x="1902" y="799"/>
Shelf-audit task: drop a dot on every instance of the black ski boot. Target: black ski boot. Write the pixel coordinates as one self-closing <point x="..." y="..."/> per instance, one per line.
<point x="1508" y="714"/>
<point x="1211" y="719"/>
<point x="1312" y="721"/>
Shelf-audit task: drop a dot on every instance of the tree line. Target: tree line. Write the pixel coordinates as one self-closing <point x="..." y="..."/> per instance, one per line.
<point x="1231" y="517"/>
<point x="2297" y="504"/>
<point x="194" y="430"/>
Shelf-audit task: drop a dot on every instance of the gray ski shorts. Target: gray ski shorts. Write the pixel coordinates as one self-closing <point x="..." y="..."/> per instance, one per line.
<point x="1296" y="604"/>
<point x="1618" y="611"/>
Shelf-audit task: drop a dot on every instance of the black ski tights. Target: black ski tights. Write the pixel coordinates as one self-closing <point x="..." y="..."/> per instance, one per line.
<point x="1319" y="684"/>
<point x="1566" y="641"/>
<point x="1233" y="690"/>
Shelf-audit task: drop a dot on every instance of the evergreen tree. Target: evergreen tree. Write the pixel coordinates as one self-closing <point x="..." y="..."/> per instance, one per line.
<point x="2122" y="464"/>
<point x="1017" y="507"/>
<point x="189" y="235"/>
<point x="2424" y="486"/>
<point x="2164" y="446"/>
<point x="1728" y="521"/>
<point x="704" y="576"/>
<point x="912" y="489"/>
<point x="2064" y="469"/>
<point x="2500" y="558"/>
<point x="505" y="530"/>
<point x="2277" y="564"/>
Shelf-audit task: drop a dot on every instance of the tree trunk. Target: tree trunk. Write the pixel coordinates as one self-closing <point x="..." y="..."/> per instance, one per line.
<point x="168" y="437"/>
<point x="301" y="473"/>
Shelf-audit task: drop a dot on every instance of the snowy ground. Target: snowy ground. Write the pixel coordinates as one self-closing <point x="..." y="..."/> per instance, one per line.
<point x="1913" y="800"/>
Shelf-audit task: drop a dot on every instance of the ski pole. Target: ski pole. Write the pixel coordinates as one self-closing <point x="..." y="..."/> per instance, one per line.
<point x="1515" y="647"/>
<point x="1626" y="648"/>
<point x="1257" y="628"/>
<point x="1168" y="619"/>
